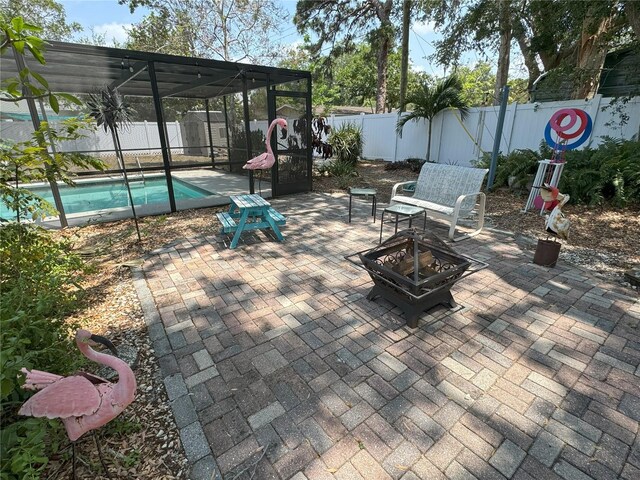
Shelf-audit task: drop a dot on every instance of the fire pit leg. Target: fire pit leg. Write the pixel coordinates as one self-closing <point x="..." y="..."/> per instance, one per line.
<point x="412" y="318"/>
<point x="374" y="292"/>
<point x="452" y="303"/>
<point x="412" y="310"/>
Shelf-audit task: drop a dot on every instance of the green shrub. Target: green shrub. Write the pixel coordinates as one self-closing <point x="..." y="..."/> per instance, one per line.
<point x="343" y="172"/>
<point x="518" y="164"/>
<point x="38" y="287"/>
<point x="337" y="168"/>
<point x="609" y="173"/>
<point x="347" y="143"/>
<point x="38" y="275"/>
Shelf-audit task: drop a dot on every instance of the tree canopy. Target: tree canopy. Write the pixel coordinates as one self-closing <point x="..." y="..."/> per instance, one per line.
<point x="157" y="33"/>
<point x="219" y="29"/>
<point x="342" y="24"/>
<point x="571" y="37"/>
<point x="49" y="15"/>
<point x="350" y="78"/>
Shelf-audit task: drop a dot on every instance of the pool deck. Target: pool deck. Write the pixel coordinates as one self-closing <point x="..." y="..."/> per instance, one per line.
<point x="278" y="367"/>
<point x="222" y="183"/>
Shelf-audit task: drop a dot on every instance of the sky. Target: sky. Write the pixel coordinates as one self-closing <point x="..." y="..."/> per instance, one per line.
<point x="109" y="18"/>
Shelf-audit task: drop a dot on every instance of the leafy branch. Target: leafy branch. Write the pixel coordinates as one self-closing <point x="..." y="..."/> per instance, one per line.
<point x="19" y="35"/>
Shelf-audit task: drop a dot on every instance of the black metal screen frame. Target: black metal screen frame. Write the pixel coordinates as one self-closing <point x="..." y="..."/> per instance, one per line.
<point x="78" y="69"/>
<point x="278" y="188"/>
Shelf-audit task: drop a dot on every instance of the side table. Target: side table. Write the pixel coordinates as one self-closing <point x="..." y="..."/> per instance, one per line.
<point x="366" y="193"/>
<point x="408" y="211"/>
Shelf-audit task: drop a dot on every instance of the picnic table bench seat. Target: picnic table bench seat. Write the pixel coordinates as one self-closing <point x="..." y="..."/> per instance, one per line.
<point x="250" y="212"/>
<point x="449" y="192"/>
<point x="279" y="218"/>
<point x="228" y="223"/>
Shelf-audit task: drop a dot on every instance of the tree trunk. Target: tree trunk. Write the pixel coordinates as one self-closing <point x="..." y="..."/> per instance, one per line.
<point x="385" y="37"/>
<point x="430" y="120"/>
<point x="381" y="91"/>
<point x="528" y="55"/>
<point x="504" y="52"/>
<point x="404" y="64"/>
<point x="591" y="55"/>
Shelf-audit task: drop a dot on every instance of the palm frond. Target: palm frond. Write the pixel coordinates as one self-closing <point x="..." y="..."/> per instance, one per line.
<point x="109" y="109"/>
<point x="429" y="100"/>
<point x="411" y="116"/>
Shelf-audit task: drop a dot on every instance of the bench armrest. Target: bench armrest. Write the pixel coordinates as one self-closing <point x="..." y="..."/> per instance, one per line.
<point x="461" y="198"/>
<point x="395" y="187"/>
<point x="456" y="212"/>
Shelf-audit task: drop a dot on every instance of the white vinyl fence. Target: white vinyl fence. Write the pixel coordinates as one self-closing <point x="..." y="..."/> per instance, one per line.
<point x="143" y="137"/>
<point x="453" y="143"/>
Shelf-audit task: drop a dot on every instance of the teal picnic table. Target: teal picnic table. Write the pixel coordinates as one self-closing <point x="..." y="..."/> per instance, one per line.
<point x="252" y="212"/>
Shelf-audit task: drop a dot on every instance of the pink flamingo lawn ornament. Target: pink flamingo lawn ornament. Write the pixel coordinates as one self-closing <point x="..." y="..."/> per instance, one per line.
<point x="83" y="401"/>
<point x="267" y="159"/>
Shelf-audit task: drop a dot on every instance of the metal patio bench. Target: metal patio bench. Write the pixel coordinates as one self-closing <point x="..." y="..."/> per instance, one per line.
<point x="448" y="192"/>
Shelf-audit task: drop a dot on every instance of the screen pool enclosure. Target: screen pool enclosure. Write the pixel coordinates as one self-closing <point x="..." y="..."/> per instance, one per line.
<point x="197" y="121"/>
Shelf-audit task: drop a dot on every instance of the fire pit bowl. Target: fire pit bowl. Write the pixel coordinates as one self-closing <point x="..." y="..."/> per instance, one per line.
<point x="415" y="271"/>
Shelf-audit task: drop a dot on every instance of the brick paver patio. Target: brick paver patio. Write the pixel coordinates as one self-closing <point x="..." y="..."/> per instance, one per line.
<point x="274" y="347"/>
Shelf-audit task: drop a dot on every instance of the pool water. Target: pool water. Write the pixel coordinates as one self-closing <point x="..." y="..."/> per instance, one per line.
<point x="91" y="196"/>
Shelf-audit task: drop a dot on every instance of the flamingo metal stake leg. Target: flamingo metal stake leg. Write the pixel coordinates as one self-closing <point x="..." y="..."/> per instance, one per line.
<point x="104" y="465"/>
<point x="73" y="460"/>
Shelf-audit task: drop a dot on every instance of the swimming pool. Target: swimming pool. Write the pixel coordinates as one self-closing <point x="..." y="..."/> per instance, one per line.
<point x="108" y="194"/>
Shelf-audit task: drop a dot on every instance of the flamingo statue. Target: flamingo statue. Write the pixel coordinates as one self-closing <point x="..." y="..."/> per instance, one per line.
<point x="82" y="401"/>
<point x="267" y="159"/>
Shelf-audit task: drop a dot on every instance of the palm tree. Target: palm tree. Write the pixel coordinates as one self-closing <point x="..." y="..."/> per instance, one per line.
<point x="430" y="100"/>
<point x="111" y="112"/>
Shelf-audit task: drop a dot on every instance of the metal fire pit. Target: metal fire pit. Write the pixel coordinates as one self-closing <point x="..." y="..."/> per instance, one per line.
<point x="415" y="271"/>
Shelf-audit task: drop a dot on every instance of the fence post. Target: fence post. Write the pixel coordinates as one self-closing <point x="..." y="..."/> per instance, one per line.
<point x="479" y="133"/>
<point x="146" y="134"/>
<point x="440" y="135"/>
<point x="362" y="131"/>
<point x="179" y="137"/>
<point x="395" y="148"/>
<point x="595" y="109"/>
<point x="513" y="121"/>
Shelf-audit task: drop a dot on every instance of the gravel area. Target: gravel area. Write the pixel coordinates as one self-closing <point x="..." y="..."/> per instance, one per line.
<point x="143" y="443"/>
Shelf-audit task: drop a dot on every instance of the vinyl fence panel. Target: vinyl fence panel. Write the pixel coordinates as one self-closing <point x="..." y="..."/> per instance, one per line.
<point x="462" y="143"/>
<point x="142" y="137"/>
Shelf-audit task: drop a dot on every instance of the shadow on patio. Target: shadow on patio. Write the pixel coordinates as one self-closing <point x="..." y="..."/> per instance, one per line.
<point x="278" y="367"/>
